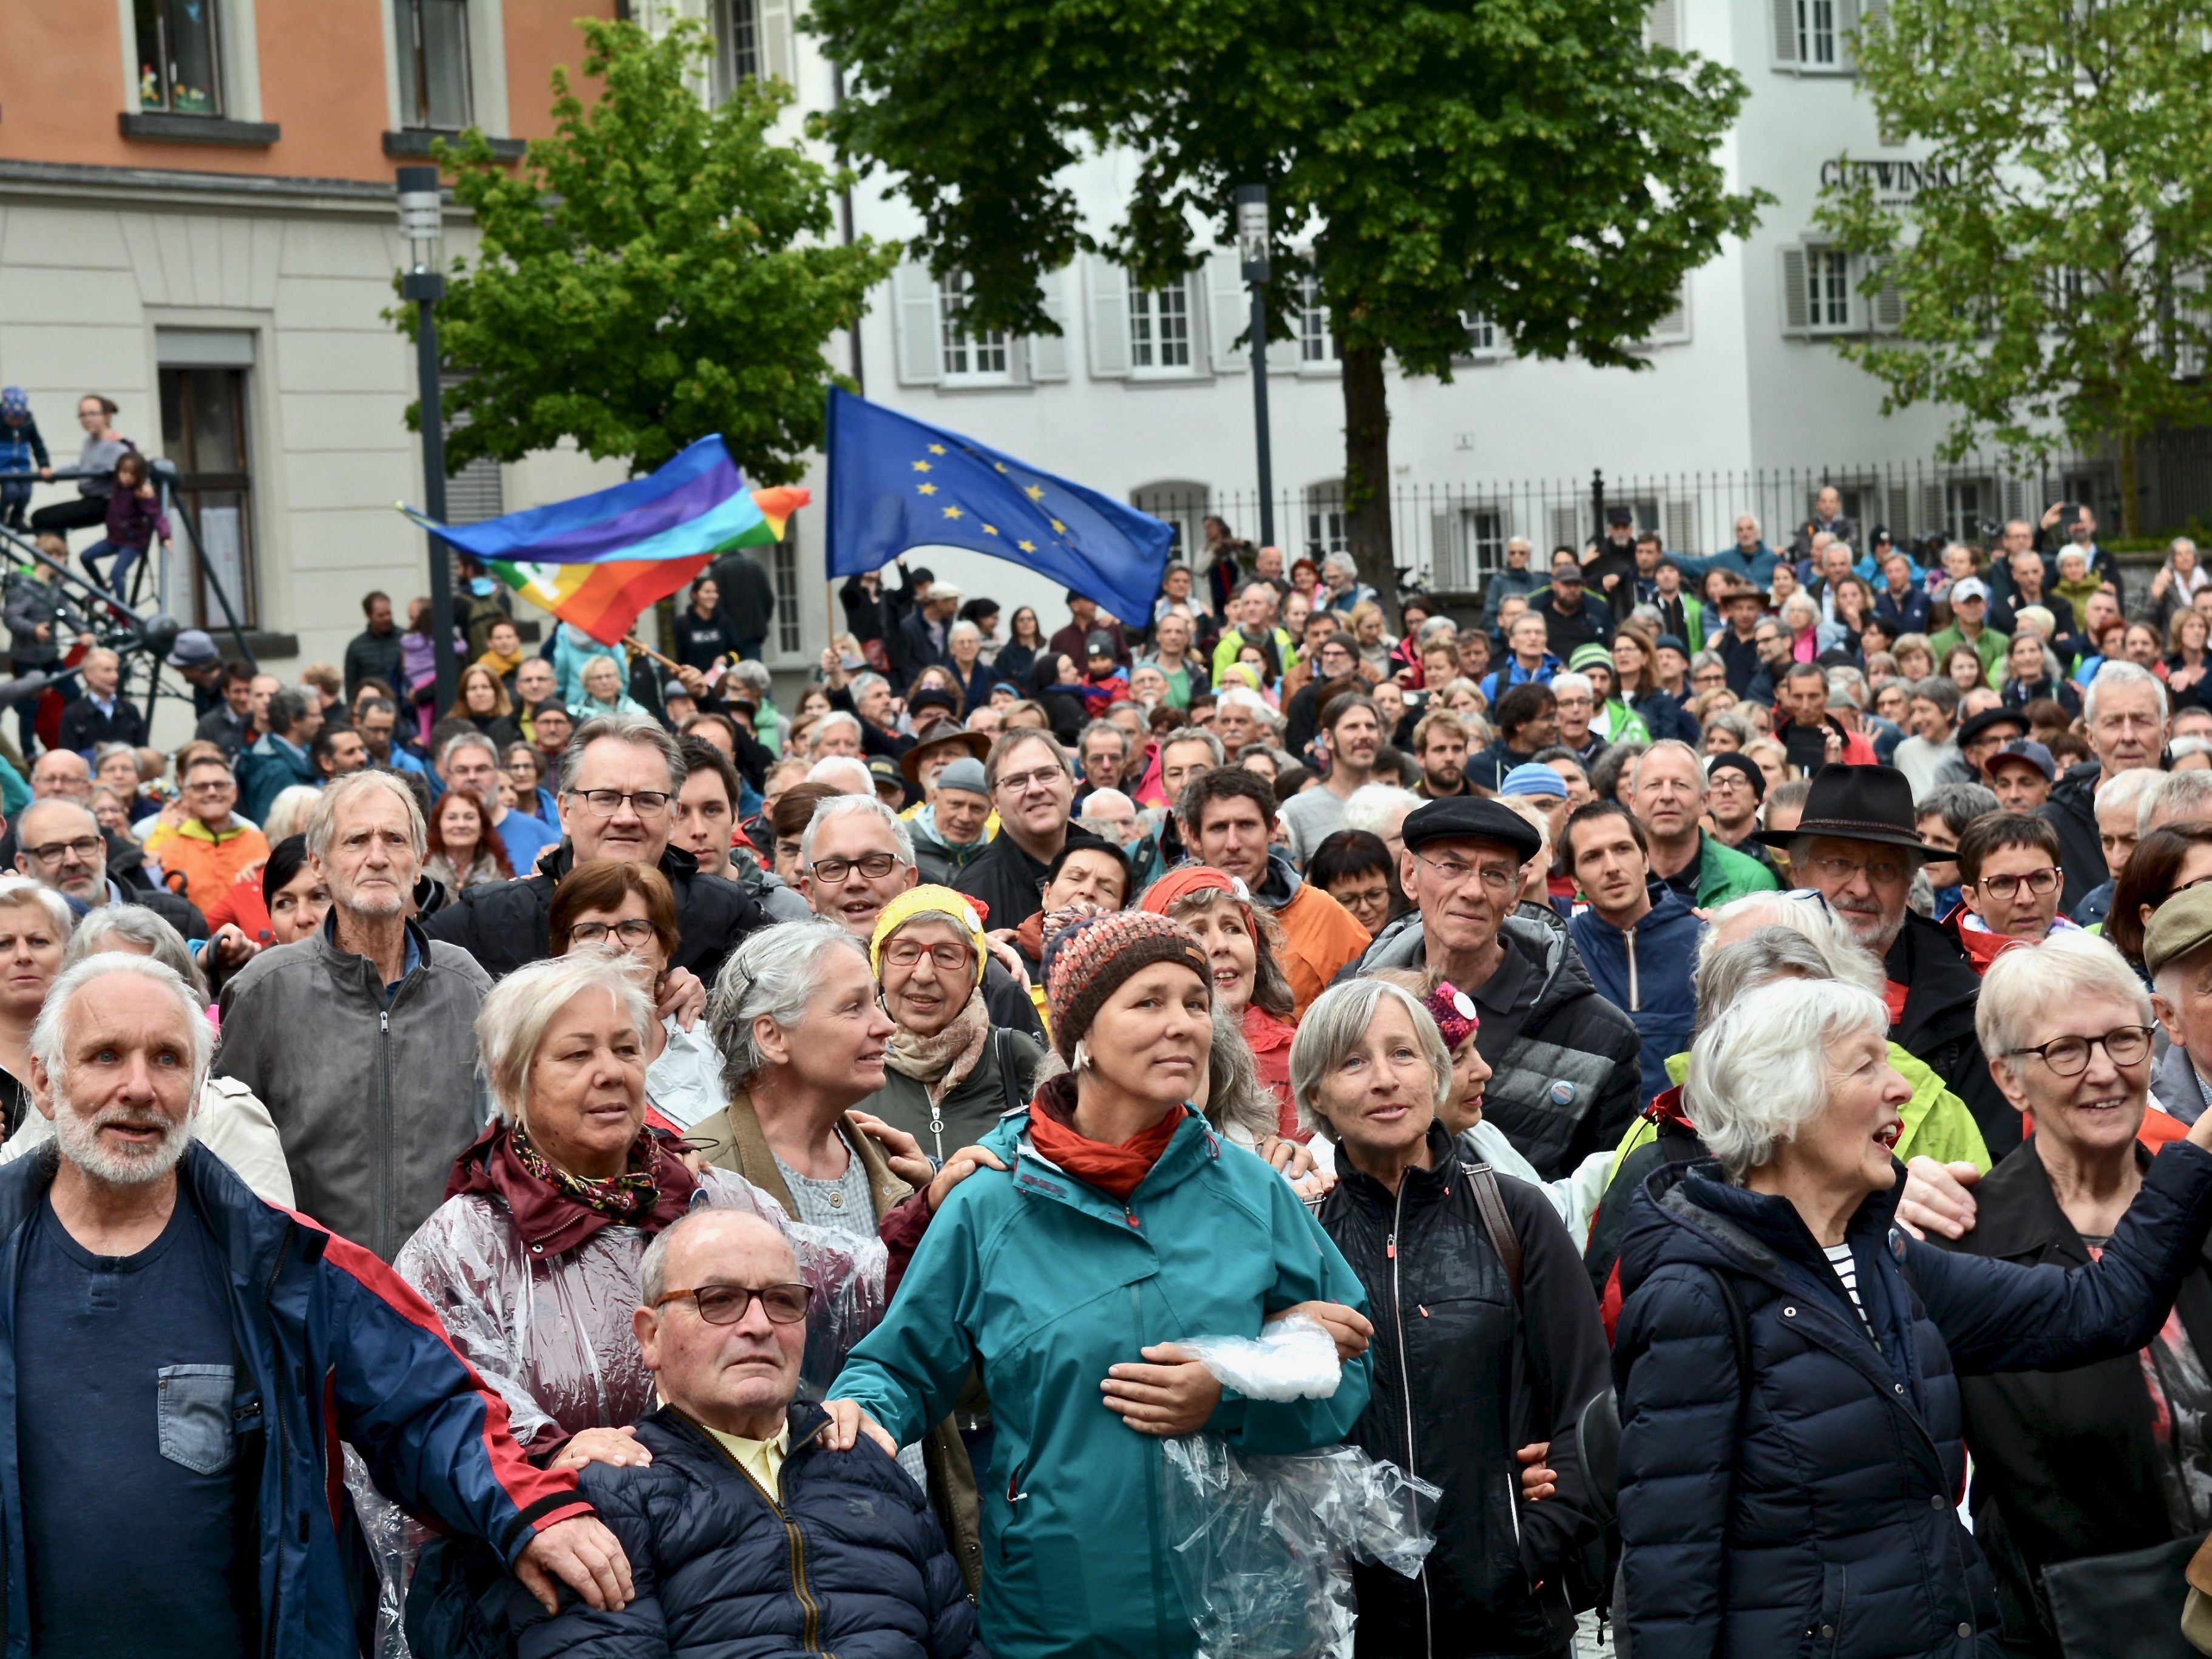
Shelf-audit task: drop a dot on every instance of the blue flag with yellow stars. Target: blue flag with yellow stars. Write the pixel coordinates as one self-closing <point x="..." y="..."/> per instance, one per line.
<point x="896" y="483"/>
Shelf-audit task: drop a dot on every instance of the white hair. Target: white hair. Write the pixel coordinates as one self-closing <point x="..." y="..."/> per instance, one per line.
<point x="1573" y="682"/>
<point x="846" y="806"/>
<point x="962" y="630"/>
<point x="461" y="740"/>
<point x="1753" y="517"/>
<point x="843" y="772"/>
<point x="1336" y="1023"/>
<point x="1098" y="797"/>
<point x="135" y="926"/>
<point x="835" y="717"/>
<point x="288" y="812"/>
<point x="773" y="973"/>
<point x="2118" y="674"/>
<point x="1799" y="603"/>
<point x="2177" y="796"/>
<point x="1370" y="806"/>
<point x="517" y="1011"/>
<point x="2021" y="988"/>
<point x="50" y="1034"/>
<point x="1749" y="1087"/>
<point x="1245" y="697"/>
<point x="323" y="821"/>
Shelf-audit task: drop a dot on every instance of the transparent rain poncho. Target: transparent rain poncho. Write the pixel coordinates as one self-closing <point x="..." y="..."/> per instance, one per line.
<point x="1262" y="1544"/>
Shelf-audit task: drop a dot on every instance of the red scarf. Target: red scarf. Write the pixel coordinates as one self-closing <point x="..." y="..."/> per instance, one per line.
<point x="1115" y="1169"/>
<point x="543" y="1216"/>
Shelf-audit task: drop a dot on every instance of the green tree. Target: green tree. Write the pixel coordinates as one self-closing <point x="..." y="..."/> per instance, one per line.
<point x="2047" y="283"/>
<point x="657" y="270"/>
<point x="1535" y="162"/>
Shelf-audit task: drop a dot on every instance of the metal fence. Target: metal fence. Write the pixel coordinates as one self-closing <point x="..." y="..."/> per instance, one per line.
<point x="1450" y="536"/>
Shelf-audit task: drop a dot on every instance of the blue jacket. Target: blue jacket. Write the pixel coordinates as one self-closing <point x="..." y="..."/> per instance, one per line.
<point x="1645" y="971"/>
<point x="1758" y="569"/>
<point x="1911" y="615"/>
<point x="848" y="1559"/>
<point x="266" y="769"/>
<point x="336" y="1347"/>
<point x="1500" y="681"/>
<point x="1040" y="1282"/>
<point x="1809" y="1506"/>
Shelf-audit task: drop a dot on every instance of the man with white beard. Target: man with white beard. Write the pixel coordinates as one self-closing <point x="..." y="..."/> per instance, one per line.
<point x="1856" y="844"/>
<point x="164" y="1329"/>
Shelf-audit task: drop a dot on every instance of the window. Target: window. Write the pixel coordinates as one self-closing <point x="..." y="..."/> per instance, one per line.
<point x="1182" y="506"/>
<point x="1471" y="548"/>
<point x="1159" y="328"/>
<point x="1828" y="290"/>
<point x="1816" y="33"/>
<point x="1968" y="503"/>
<point x="179" y="68"/>
<point x="783" y="573"/>
<point x="434" y="64"/>
<point x="1814" y="36"/>
<point x="204" y="430"/>
<point x="1317" y="343"/>
<point x="736" y="44"/>
<point x="1325" y="531"/>
<point x="967" y="356"/>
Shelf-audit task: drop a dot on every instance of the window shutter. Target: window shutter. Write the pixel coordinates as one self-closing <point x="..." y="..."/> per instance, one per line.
<point x="1678" y="522"/>
<point x="1847" y="24"/>
<point x="1567" y="530"/>
<point x="1109" y="317"/>
<point x="2016" y="502"/>
<point x="1447" y="556"/>
<point x="1674" y="328"/>
<point x="1888" y="303"/>
<point x="1048" y="353"/>
<point x="775" y="40"/>
<point x="1785" y="33"/>
<point x="1900" y="512"/>
<point x="1662" y="25"/>
<point x="1018" y="361"/>
<point x="1932" y="513"/>
<point x="1797" y="309"/>
<point x="1229" y="313"/>
<point x="921" y="352"/>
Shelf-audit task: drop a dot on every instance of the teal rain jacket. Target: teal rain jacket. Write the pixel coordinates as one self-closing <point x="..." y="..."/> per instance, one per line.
<point x="1045" y="1282"/>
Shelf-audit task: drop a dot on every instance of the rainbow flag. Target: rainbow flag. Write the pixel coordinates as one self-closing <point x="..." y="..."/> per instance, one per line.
<point x="598" y="561"/>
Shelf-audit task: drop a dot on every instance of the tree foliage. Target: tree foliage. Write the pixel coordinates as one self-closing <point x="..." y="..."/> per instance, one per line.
<point x="2052" y="276"/>
<point x="655" y="272"/>
<point x="1533" y="162"/>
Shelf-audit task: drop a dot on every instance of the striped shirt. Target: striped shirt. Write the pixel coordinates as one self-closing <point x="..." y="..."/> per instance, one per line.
<point x="1840" y="1258"/>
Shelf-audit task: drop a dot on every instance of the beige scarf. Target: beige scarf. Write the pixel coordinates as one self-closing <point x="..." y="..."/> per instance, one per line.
<point x="940" y="1063"/>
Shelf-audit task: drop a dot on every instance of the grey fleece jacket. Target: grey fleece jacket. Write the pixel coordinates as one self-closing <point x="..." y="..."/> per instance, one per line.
<point x="372" y="1102"/>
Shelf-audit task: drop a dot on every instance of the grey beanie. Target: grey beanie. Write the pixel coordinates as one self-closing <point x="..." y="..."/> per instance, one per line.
<point x="965" y="775"/>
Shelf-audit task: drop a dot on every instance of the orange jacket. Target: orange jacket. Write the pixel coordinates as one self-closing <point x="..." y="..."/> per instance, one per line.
<point x="198" y="865"/>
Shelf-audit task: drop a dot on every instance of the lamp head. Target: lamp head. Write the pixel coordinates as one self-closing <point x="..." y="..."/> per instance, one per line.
<point x="421" y="215"/>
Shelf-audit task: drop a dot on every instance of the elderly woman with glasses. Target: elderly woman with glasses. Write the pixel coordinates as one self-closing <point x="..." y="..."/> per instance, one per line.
<point x="1791" y="1446"/>
<point x="1487" y="1334"/>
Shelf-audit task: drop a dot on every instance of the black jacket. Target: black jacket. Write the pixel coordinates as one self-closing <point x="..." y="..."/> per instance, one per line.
<point x="1565" y="631"/>
<point x="1466" y="1371"/>
<point x="372" y="657"/>
<point x="2066" y="1464"/>
<point x="1568" y="1081"/>
<point x="850" y="1560"/>
<point x="2071" y="809"/>
<point x="1803" y="1505"/>
<point x="1937" y="1025"/>
<point x="748" y="602"/>
<point x="1006" y="878"/>
<point x="700" y="644"/>
<point x="83" y="726"/>
<point x="504" y="926"/>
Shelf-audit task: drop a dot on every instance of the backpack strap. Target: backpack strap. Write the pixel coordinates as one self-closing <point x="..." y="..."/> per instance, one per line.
<point x="1490" y="1203"/>
<point x="1740" y="1338"/>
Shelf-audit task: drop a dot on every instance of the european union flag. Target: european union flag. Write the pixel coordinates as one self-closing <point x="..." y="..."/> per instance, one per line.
<point x="896" y="482"/>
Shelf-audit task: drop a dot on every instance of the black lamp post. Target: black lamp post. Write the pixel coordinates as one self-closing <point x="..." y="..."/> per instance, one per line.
<point x="421" y="224"/>
<point x="1252" y="254"/>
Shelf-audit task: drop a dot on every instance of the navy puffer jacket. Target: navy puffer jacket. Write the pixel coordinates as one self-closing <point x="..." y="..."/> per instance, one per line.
<point x="1813" y="1511"/>
<point x="850" y="1561"/>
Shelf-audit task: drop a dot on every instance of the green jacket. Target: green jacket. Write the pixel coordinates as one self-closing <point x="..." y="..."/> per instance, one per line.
<point x="1044" y="1282"/>
<point x="1989" y="645"/>
<point x="1623" y="725"/>
<point x="1725" y="874"/>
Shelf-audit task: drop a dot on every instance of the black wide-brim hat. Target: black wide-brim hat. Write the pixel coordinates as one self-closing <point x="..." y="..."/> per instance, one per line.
<point x="1860" y="803"/>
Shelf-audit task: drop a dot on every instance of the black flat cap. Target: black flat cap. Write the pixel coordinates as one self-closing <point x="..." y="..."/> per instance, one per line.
<point x="1472" y="817"/>
<point x="1974" y="726"/>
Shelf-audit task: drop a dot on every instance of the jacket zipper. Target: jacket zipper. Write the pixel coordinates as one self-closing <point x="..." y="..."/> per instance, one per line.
<point x="1398" y="1326"/>
<point x="1635" y="993"/>
<point x="272" y="1413"/>
<point x="389" y="1244"/>
<point x="811" y="1635"/>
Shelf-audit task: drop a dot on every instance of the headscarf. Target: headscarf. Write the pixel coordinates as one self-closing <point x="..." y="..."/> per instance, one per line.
<point x="940" y="1063"/>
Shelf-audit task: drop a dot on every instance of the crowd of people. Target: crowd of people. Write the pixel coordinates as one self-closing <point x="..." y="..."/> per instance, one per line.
<point x="1710" y="1041"/>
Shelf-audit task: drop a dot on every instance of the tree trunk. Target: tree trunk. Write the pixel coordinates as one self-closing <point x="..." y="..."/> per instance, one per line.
<point x="1367" y="474"/>
<point x="2130" y="487"/>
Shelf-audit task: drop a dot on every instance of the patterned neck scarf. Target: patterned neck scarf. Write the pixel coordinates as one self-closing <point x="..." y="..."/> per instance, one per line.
<point x="629" y="1196"/>
<point x="939" y="1063"/>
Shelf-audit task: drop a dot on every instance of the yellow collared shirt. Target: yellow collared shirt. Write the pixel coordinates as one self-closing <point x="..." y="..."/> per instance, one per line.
<point x="760" y="1459"/>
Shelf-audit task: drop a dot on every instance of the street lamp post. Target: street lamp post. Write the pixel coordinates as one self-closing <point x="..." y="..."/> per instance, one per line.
<point x="421" y="225"/>
<point x="1252" y="254"/>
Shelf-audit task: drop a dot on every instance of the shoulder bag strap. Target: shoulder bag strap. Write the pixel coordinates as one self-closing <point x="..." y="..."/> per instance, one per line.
<point x="1490" y="1204"/>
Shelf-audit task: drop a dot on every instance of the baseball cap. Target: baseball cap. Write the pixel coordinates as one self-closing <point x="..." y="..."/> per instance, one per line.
<point x="193" y="649"/>
<point x="1968" y="587"/>
<point x="2028" y="750"/>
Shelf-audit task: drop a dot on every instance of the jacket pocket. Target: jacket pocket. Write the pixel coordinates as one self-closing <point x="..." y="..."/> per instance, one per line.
<point x="1824" y="1627"/>
<point x="194" y="1411"/>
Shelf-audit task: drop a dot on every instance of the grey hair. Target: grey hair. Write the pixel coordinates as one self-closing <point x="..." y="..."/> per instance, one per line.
<point x="517" y="1011"/>
<point x="1236" y="1099"/>
<point x="1750" y="1087"/>
<point x="288" y="812"/>
<point x="963" y="630"/>
<point x="1245" y="697"/>
<point x="641" y="729"/>
<point x="103" y="752"/>
<point x="1197" y="734"/>
<point x="1334" y="1025"/>
<point x="753" y="676"/>
<point x="1753" y="517"/>
<point x="2066" y="968"/>
<point x="2119" y="674"/>
<point x="839" y="771"/>
<point x="864" y="683"/>
<point x="134" y="924"/>
<point x="1572" y="681"/>
<point x="652" y="1266"/>
<point x="1121" y="732"/>
<point x="835" y="717"/>
<point x="2182" y="748"/>
<point x="1958" y="804"/>
<point x="1799" y="600"/>
<point x="2179" y="795"/>
<point x="322" y="822"/>
<point x="2128" y="790"/>
<point x="1795" y="939"/>
<point x="1343" y="561"/>
<point x="50" y="1035"/>
<point x="846" y="806"/>
<point x="461" y="740"/>
<point x="1735" y="725"/>
<point x="289" y="705"/>
<point x="772" y="974"/>
<point x="1939" y="689"/>
<point x="22" y="889"/>
<point x="1369" y="807"/>
<point x="1672" y="746"/>
<point x="1436" y="627"/>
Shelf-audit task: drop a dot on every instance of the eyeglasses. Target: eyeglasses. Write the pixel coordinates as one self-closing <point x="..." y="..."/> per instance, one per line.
<point x="1881" y="872"/>
<point x="83" y="850"/>
<point x="872" y="866"/>
<point x="2037" y="882"/>
<point x="2069" y="1056"/>
<point x="1017" y="781"/>
<point x="631" y="930"/>
<point x="727" y="1305"/>
<point x="949" y="958"/>
<point x="1453" y="872"/>
<point x="605" y="802"/>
